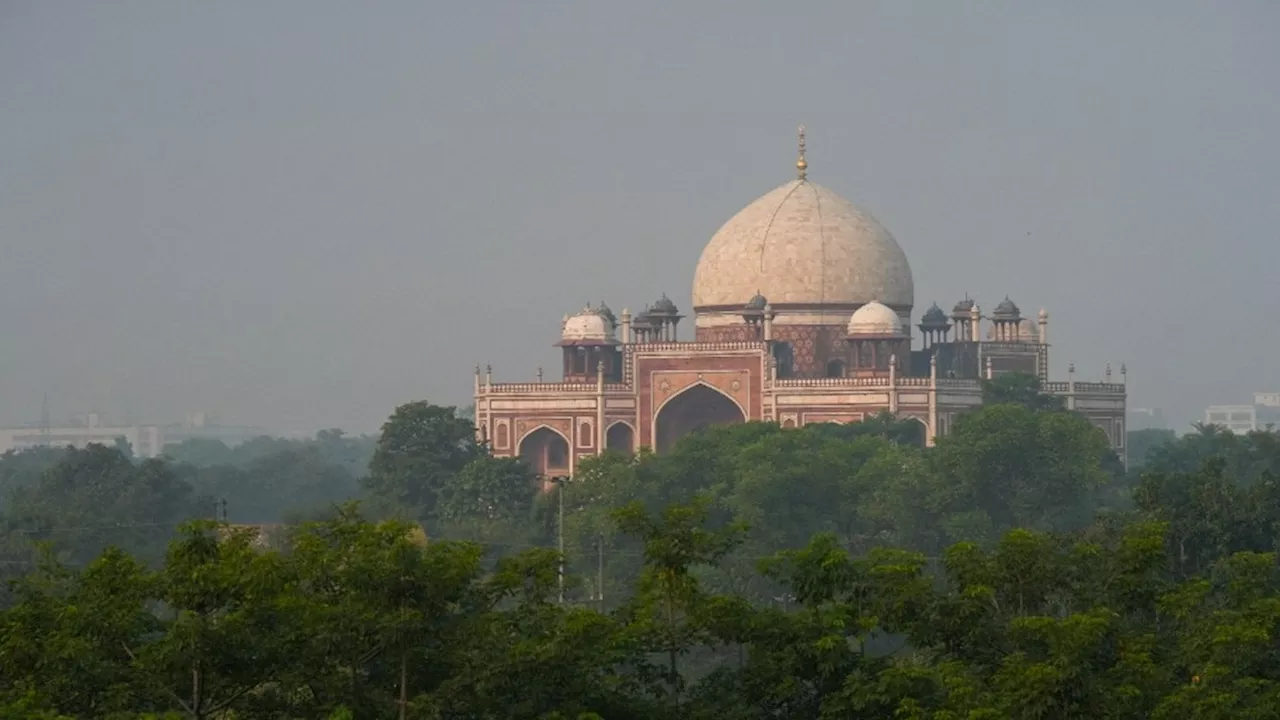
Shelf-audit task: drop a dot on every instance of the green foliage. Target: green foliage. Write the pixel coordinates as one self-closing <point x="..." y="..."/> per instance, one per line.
<point x="490" y="489"/>
<point x="422" y="449"/>
<point x="1022" y="389"/>
<point x="1020" y="467"/>
<point x="1142" y="442"/>
<point x="751" y="572"/>
<point x="97" y="497"/>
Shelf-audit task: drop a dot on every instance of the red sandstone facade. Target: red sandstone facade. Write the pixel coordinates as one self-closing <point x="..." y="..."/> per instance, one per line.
<point x="835" y="346"/>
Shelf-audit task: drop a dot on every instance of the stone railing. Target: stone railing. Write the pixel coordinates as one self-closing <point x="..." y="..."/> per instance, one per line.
<point x="833" y="382"/>
<point x="505" y="388"/>
<point x="966" y="383"/>
<point x="1017" y="348"/>
<point x="666" y="345"/>
<point x="878" y="382"/>
<point x="1086" y="387"/>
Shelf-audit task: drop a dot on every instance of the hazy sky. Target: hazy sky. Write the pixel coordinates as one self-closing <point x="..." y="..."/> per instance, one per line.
<point x="300" y="213"/>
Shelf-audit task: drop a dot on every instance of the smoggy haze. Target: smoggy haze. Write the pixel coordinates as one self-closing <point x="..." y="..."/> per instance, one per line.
<point x="299" y="214"/>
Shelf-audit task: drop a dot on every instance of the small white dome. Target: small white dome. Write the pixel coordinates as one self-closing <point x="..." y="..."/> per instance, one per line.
<point x="587" y="327"/>
<point x="875" y="318"/>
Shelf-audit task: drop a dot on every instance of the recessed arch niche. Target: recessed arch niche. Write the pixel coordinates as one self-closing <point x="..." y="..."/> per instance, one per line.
<point x="546" y="451"/>
<point x="620" y="437"/>
<point x="694" y="408"/>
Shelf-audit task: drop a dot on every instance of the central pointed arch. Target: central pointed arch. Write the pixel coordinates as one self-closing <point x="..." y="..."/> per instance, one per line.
<point x="697" y="406"/>
<point x="546" y="451"/>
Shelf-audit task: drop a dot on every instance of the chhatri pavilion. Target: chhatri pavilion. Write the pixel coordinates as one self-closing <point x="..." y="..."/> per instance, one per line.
<point x="802" y="313"/>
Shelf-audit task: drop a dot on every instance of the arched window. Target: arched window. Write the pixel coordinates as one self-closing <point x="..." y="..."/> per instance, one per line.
<point x="835" y="369"/>
<point x="502" y="435"/>
<point x="620" y="438"/>
<point x="584" y="435"/>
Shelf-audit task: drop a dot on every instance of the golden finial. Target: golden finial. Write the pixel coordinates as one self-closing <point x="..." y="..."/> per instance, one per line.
<point x="802" y="167"/>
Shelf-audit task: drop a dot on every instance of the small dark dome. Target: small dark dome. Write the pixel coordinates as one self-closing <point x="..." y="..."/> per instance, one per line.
<point x="757" y="302"/>
<point x="1006" y="310"/>
<point x="664" y="306"/>
<point x="642" y="318"/>
<point x="934" y="317"/>
<point x="963" y="307"/>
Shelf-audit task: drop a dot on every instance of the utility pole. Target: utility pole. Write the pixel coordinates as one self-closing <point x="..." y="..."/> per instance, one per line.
<point x="560" y="534"/>
<point x="600" y="571"/>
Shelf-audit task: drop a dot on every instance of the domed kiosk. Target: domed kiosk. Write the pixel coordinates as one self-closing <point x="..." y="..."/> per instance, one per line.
<point x="802" y="306"/>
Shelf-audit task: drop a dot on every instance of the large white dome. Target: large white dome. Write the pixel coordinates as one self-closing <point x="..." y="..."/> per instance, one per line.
<point x="802" y="245"/>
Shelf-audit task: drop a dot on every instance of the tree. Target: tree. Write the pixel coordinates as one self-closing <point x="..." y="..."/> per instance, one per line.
<point x="200" y="452"/>
<point x="490" y="489"/>
<point x="385" y="609"/>
<point x="1142" y="443"/>
<point x="667" y="607"/>
<point x="233" y="631"/>
<point x="95" y="497"/>
<point x="65" y="644"/>
<point x="1017" y="388"/>
<point x="884" y="425"/>
<point x="1019" y="467"/>
<point x="422" y="449"/>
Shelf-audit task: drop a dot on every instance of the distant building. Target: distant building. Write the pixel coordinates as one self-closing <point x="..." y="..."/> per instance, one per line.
<point x="1147" y="419"/>
<point x="85" y="429"/>
<point x="1267" y="407"/>
<point x="198" y="426"/>
<point x="1241" y="419"/>
<point x="146" y="441"/>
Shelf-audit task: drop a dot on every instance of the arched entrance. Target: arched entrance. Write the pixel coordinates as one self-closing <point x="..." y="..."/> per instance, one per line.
<point x="694" y="408"/>
<point x="914" y="432"/>
<point x="620" y="438"/>
<point x="546" y="451"/>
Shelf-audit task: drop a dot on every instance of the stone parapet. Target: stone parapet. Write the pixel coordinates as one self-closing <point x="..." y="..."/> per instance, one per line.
<point x="1085" y="387"/>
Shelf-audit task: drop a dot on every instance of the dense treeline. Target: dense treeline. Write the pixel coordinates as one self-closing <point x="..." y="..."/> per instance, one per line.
<point x="85" y="500"/>
<point x="1012" y="571"/>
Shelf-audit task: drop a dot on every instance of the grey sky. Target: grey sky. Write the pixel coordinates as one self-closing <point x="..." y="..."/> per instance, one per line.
<point x="302" y="213"/>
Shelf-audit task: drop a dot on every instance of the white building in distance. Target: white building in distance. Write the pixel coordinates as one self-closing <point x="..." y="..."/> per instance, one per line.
<point x="1241" y="419"/>
<point x="147" y="441"/>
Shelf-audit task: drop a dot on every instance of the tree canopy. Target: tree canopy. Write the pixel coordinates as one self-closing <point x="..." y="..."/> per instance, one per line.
<point x="751" y="572"/>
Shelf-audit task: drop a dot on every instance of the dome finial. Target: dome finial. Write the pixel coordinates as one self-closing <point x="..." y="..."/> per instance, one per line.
<point x="802" y="166"/>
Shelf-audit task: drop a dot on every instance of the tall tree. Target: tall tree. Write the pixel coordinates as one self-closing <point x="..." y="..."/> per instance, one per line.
<point x="669" y="605"/>
<point x="422" y="449"/>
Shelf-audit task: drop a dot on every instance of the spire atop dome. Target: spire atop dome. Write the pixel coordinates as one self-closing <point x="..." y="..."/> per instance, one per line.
<point x="802" y="166"/>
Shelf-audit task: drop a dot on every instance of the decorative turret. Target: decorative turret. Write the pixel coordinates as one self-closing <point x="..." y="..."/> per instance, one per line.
<point x="1007" y="319"/>
<point x="665" y="316"/>
<point x="588" y="339"/>
<point x="753" y="314"/>
<point x="960" y="318"/>
<point x="607" y="314"/>
<point x="876" y="339"/>
<point x="934" y="326"/>
<point x="642" y="326"/>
